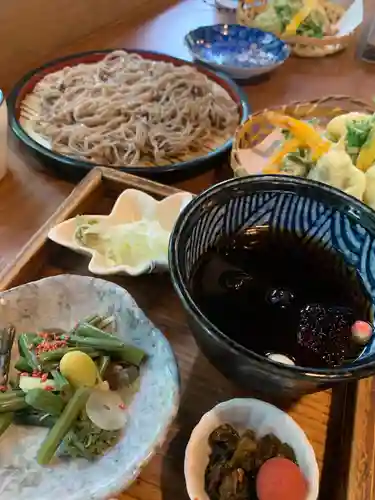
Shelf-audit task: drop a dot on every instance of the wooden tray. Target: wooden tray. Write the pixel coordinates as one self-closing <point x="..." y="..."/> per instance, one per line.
<point x="340" y="423"/>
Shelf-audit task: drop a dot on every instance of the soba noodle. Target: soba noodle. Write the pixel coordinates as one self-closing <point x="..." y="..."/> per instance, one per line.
<point x="127" y="110"/>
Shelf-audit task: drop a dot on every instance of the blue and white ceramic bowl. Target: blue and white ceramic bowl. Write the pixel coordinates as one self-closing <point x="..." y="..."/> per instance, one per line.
<point x="240" y="51"/>
<point x="311" y="210"/>
<point x="59" y="302"/>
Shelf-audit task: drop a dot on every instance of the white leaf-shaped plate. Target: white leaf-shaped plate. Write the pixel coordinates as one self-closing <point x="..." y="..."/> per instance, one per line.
<point x="132" y="205"/>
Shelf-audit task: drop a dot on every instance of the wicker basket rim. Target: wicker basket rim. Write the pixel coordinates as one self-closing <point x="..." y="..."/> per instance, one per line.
<point x="318" y="102"/>
<point x="319" y="42"/>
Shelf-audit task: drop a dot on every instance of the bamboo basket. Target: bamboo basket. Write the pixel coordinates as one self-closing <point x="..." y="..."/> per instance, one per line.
<point x="256" y="128"/>
<point x="302" y="46"/>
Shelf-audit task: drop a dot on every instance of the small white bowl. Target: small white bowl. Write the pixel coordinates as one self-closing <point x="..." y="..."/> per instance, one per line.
<point x="132" y="205"/>
<point x="242" y="414"/>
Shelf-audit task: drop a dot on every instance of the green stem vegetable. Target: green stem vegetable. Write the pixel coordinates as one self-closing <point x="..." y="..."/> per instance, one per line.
<point x="32" y="418"/>
<point x="62" y="426"/>
<point x="103" y="365"/>
<point x="12" y="404"/>
<point x="61" y="383"/>
<point x="13" y="394"/>
<point x="75" y="448"/>
<point x="57" y="354"/>
<point x="14" y="381"/>
<point x="22" y="365"/>
<point x="23" y="345"/>
<point x="45" y="401"/>
<point x="94" y="319"/>
<point x="105" y="322"/>
<point x="127" y="353"/>
<point x="88" y="330"/>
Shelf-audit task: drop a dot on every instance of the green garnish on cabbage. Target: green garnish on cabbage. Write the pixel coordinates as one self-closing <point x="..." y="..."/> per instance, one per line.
<point x="131" y="243"/>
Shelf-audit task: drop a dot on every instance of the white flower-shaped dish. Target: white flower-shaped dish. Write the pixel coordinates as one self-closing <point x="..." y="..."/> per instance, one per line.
<point x="132" y="205"/>
<point x="242" y="414"/>
<point x="59" y="302"/>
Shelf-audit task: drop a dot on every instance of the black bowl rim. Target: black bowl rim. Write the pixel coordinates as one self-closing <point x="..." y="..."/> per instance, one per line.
<point x="354" y="209"/>
<point x="186" y="166"/>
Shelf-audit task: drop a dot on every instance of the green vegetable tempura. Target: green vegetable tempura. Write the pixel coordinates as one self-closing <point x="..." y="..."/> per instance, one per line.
<point x="279" y="13"/>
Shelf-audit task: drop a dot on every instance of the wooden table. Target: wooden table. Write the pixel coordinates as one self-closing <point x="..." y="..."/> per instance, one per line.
<point x="28" y="196"/>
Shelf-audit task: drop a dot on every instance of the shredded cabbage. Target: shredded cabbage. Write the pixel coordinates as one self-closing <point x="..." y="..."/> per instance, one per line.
<point x="130" y="243"/>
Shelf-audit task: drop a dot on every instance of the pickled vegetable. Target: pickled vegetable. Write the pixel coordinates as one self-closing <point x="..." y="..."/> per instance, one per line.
<point x="61" y="382"/>
<point x="28" y="383"/>
<point x="59" y="386"/>
<point x="22" y="365"/>
<point x="128" y="353"/>
<point x="103" y="365"/>
<point x="12" y="404"/>
<point x="91" y="330"/>
<point x="88" y="441"/>
<point x="47" y="358"/>
<point x="281" y="479"/>
<point x="224" y="439"/>
<point x="32" y="418"/>
<point x="106" y="410"/>
<point x="45" y="401"/>
<point x="23" y="345"/>
<point x="235" y="460"/>
<point x="79" y="369"/>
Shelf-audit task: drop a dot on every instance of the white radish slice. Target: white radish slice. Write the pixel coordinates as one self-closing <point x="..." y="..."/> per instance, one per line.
<point x="106" y="410"/>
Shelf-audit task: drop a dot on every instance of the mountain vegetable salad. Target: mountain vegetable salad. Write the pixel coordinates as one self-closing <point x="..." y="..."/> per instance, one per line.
<point x="342" y="154"/>
<point x="68" y="381"/>
<point x="301" y="17"/>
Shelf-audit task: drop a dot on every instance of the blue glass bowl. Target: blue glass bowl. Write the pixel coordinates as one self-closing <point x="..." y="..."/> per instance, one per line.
<point x="238" y="50"/>
<point x="309" y="209"/>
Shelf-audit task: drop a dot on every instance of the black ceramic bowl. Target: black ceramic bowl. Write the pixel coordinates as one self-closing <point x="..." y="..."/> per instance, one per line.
<point x="330" y="217"/>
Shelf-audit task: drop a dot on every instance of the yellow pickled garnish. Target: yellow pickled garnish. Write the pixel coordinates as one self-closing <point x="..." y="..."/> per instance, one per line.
<point x="298" y="18"/>
<point x="302" y="131"/>
<point x="274" y="165"/>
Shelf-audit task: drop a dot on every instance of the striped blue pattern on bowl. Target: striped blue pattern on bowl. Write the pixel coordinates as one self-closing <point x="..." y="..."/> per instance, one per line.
<point x="310" y="210"/>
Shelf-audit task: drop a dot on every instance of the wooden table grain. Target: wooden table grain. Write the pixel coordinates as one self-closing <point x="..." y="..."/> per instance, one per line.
<point x="29" y="195"/>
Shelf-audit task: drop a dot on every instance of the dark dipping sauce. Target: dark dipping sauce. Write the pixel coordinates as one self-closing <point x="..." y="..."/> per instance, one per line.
<point x="275" y="294"/>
